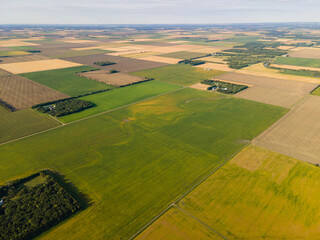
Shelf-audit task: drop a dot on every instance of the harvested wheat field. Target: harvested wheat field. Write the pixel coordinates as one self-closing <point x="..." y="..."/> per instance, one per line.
<point x="16" y="43"/>
<point x="200" y="86"/>
<point x="21" y="93"/>
<point x="284" y="47"/>
<point x="122" y="64"/>
<point x="213" y="59"/>
<point x="284" y="66"/>
<point x="115" y="79"/>
<point x="177" y="225"/>
<point x="208" y="49"/>
<point x="269" y="90"/>
<point x="297" y="134"/>
<point x="260" y="70"/>
<point x="160" y="59"/>
<point x="4" y="73"/>
<point x="215" y="66"/>
<point x="140" y="55"/>
<point x="78" y="41"/>
<point x="37" y="66"/>
<point x="306" y="53"/>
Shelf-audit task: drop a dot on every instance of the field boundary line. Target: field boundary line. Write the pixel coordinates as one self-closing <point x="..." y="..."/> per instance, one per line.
<point x="66" y="124"/>
<point x="175" y="202"/>
<point x="299" y="101"/>
<point x="62" y="123"/>
<point x="255" y="140"/>
<point x="201" y="222"/>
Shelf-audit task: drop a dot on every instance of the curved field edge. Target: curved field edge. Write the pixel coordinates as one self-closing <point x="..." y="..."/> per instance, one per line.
<point x="134" y="162"/>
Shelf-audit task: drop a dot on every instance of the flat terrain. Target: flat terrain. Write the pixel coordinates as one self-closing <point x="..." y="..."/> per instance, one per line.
<point x="297" y="134"/>
<point x="75" y="53"/>
<point x="260" y="70"/>
<point x="123" y="64"/>
<point x="133" y="162"/>
<point x="303" y="62"/>
<point x="178" y="74"/>
<point x="161" y="59"/>
<point x="284" y="66"/>
<point x="259" y="194"/>
<point x="36" y="66"/>
<point x="21" y="123"/>
<point x="270" y="90"/>
<point x="67" y="81"/>
<point x="119" y="97"/>
<point x="21" y="93"/>
<point x="215" y="66"/>
<point x="183" y="55"/>
<point x="12" y="53"/>
<point x="115" y="79"/>
<point x="306" y="53"/>
<point x="26" y="58"/>
<point x="176" y="225"/>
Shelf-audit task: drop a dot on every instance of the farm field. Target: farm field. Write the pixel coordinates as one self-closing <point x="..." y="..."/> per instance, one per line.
<point x="115" y="79"/>
<point x="12" y="53"/>
<point x="75" y="53"/>
<point x="122" y="64"/>
<point x="260" y="70"/>
<point x="66" y="81"/>
<point x="297" y="134"/>
<point x="179" y="74"/>
<point x="18" y="124"/>
<point x="306" y="53"/>
<point x="183" y="55"/>
<point x="26" y="58"/>
<point x="160" y="59"/>
<point x="176" y="225"/>
<point x="291" y="67"/>
<point x="120" y="97"/>
<point x="20" y="92"/>
<point x="142" y="156"/>
<point x="316" y="91"/>
<point x="36" y="66"/>
<point x="215" y="66"/>
<point x="259" y="194"/>
<point x="303" y="62"/>
<point x="269" y="90"/>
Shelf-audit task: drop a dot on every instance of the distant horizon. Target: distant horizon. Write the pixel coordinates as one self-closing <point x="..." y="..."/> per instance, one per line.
<point x="158" y="12"/>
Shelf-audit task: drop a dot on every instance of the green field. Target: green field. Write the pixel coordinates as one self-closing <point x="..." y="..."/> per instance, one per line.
<point x="179" y="74"/>
<point x="66" y="81"/>
<point x="134" y="161"/>
<point x="316" y="91"/>
<point x="77" y="53"/>
<point x="183" y="55"/>
<point x="119" y="97"/>
<point x="22" y="123"/>
<point x="260" y="194"/>
<point x="23" y="48"/>
<point x="176" y="225"/>
<point x="304" y="62"/>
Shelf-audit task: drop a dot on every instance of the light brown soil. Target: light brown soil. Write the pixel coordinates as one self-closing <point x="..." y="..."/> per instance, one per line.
<point x="161" y="59"/>
<point x="22" y="93"/>
<point x="297" y="134"/>
<point x="306" y="53"/>
<point x="23" y="59"/>
<point x="269" y="90"/>
<point x="215" y="66"/>
<point x="200" y="86"/>
<point x="116" y="79"/>
<point x="284" y="66"/>
<point x="36" y="66"/>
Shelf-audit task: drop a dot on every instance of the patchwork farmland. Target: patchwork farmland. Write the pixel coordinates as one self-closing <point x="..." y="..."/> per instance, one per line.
<point x="148" y="152"/>
<point x="21" y="93"/>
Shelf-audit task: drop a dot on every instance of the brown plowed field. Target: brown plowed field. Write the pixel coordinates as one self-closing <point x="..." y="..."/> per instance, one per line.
<point x="297" y="134"/>
<point x="22" y="93"/>
<point x="116" y="79"/>
<point x="123" y="64"/>
<point x="269" y="90"/>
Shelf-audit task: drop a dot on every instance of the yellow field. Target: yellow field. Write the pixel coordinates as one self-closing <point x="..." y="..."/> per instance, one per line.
<point x="215" y="66"/>
<point x="36" y="66"/>
<point x="260" y="70"/>
<point x="78" y="41"/>
<point x="161" y="59"/>
<point x="16" y="43"/>
<point x="139" y="55"/>
<point x="260" y="194"/>
<point x="200" y="86"/>
<point x="284" y="66"/>
<point x="176" y="225"/>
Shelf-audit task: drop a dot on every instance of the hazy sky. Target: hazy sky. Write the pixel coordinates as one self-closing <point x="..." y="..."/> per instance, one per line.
<point x="157" y="11"/>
